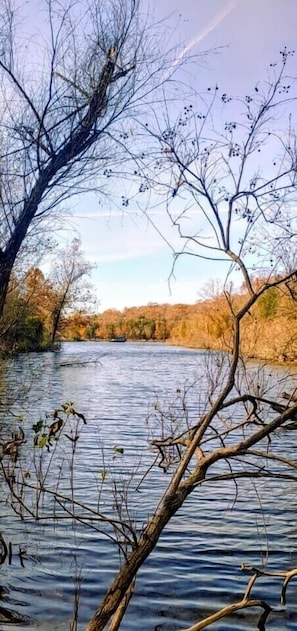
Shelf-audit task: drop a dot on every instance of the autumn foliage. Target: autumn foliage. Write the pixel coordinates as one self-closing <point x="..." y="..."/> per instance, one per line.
<point x="269" y="330"/>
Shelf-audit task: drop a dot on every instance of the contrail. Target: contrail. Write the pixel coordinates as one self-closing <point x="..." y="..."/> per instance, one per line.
<point x="217" y="19"/>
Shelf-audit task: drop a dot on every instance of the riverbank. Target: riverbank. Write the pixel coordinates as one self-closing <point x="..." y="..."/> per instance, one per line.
<point x="268" y="330"/>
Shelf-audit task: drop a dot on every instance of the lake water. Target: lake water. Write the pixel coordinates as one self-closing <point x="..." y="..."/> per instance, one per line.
<point x="195" y="568"/>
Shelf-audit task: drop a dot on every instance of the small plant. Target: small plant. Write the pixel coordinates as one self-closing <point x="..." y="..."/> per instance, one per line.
<point x="46" y="433"/>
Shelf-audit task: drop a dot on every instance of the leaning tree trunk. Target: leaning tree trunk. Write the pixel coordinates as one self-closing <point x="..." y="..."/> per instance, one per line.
<point x="126" y="576"/>
<point x="56" y="317"/>
<point x="7" y="260"/>
<point x="77" y="144"/>
<point x="5" y="273"/>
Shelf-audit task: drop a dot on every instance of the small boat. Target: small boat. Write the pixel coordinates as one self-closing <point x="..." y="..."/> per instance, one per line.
<point x="118" y="339"/>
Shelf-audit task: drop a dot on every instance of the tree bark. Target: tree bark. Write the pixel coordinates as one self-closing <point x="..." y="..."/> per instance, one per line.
<point x="145" y="546"/>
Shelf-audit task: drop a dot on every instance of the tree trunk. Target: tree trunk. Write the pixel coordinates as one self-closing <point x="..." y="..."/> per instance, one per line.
<point x="76" y="145"/>
<point x="57" y="316"/>
<point x="5" y="273"/>
<point x="147" y="542"/>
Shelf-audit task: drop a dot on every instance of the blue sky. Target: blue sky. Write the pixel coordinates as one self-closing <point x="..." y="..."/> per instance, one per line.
<point x="133" y="262"/>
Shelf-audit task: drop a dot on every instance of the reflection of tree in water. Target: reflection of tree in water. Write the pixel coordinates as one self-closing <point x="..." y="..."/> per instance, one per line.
<point x="6" y="556"/>
<point x="11" y="601"/>
<point x="15" y="384"/>
<point x="14" y="471"/>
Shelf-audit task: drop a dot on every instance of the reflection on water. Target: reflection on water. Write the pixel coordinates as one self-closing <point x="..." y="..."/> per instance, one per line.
<point x="53" y="569"/>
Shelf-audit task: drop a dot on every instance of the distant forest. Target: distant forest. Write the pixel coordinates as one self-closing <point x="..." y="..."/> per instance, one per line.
<point x="269" y="333"/>
<point x="38" y="317"/>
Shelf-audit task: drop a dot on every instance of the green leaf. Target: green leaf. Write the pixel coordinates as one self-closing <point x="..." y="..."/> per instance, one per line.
<point x="38" y="426"/>
<point x="103" y="474"/>
<point x="68" y="408"/>
<point x="43" y="441"/>
<point x="118" y="450"/>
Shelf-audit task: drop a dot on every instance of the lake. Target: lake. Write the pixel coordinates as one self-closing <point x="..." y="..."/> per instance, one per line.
<point x="55" y="566"/>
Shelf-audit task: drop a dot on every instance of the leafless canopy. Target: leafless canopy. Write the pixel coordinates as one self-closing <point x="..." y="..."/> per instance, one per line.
<point x="240" y="215"/>
<point x="68" y="91"/>
<point x="231" y="195"/>
<point x="225" y="166"/>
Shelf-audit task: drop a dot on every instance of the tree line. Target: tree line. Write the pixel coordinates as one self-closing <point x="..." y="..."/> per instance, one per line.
<point x="36" y="302"/>
<point x="42" y="310"/>
<point x="269" y="332"/>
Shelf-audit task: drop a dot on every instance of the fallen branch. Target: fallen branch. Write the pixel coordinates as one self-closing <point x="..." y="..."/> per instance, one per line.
<point x="287" y="576"/>
<point x="247" y="601"/>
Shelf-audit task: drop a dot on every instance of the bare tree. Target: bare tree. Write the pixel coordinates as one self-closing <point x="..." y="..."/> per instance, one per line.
<point x="68" y="93"/>
<point x="231" y="195"/>
<point x="227" y="172"/>
<point x="68" y="279"/>
<point x="243" y="216"/>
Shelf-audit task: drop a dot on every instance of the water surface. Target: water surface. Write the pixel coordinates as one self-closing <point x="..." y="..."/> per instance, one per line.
<point x="195" y="568"/>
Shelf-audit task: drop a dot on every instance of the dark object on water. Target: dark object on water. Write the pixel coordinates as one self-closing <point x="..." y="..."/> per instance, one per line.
<point x="118" y="339"/>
